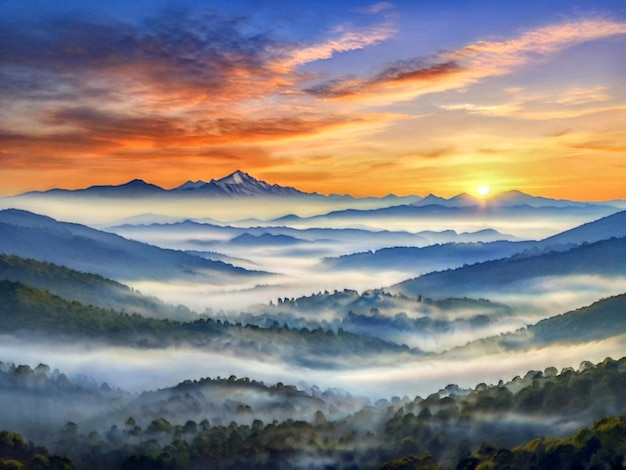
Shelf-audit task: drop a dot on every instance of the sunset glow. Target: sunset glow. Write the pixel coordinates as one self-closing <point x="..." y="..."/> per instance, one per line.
<point x="361" y="98"/>
<point x="483" y="190"/>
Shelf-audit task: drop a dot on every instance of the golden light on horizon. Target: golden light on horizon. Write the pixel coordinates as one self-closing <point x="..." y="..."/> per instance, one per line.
<point x="483" y="190"/>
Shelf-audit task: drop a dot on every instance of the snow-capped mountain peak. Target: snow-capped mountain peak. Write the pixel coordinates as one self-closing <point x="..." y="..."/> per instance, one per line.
<point x="238" y="177"/>
<point x="240" y="183"/>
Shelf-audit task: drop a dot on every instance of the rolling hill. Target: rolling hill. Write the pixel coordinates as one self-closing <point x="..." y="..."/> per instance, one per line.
<point x="426" y="259"/>
<point x="88" y="289"/>
<point x="610" y="226"/>
<point x="79" y="247"/>
<point x="30" y="313"/>
<point x="606" y="257"/>
<point x="601" y="320"/>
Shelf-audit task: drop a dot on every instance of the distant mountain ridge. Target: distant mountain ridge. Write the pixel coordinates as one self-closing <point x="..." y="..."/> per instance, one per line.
<point x="242" y="184"/>
<point x="422" y="260"/>
<point x="610" y="226"/>
<point x="605" y="257"/>
<point x="134" y="188"/>
<point x="237" y="184"/>
<point x="82" y="248"/>
<point x="452" y="255"/>
<point x="512" y="198"/>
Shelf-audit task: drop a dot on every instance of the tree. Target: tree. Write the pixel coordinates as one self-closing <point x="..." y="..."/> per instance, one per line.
<point x="10" y="465"/>
<point x="423" y="462"/>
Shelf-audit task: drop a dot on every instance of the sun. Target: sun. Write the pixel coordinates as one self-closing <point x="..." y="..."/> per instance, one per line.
<point x="483" y="190"/>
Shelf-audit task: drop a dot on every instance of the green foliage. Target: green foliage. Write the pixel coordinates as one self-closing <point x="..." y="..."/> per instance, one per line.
<point x="29" y="309"/>
<point x="601" y="446"/>
<point x="15" y="454"/>
<point x="600" y="320"/>
<point x="26" y="310"/>
<point x="442" y="429"/>
<point x="511" y="411"/>
<point x="11" y="465"/>
<point x="448" y="429"/>
<point x="423" y="462"/>
<point x="376" y="313"/>
<point x="86" y="288"/>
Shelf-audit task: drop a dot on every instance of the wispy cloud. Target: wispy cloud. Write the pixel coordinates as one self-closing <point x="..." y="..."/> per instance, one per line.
<point x="389" y="82"/>
<point x="377" y="8"/>
<point x="579" y="96"/>
<point x="561" y="104"/>
<point x="263" y="90"/>
<point x="349" y="40"/>
<point x="460" y="68"/>
<point x="79" y="87"/>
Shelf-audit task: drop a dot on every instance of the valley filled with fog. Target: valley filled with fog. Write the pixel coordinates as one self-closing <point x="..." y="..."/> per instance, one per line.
<point x="269" y="304"/>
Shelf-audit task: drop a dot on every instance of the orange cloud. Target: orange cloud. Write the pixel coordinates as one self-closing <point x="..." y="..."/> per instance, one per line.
<point x="180" y="94"/>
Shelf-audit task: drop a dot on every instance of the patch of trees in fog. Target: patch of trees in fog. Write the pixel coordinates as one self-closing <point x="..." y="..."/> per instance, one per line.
<point x="544" y="419"/>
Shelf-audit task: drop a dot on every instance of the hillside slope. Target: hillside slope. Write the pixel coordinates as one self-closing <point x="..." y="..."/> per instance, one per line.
<point x="30" y="235"/>
<point x="88" y="289"/>
<point x="607" y="257"/>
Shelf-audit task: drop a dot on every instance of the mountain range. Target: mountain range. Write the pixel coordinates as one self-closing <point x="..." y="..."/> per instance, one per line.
<point x="602" y="258"/>
<point x="237" y="184"/>
<point x="453" y="209"/>
<point x="421" y="260"/>
<point x="192" y="235"/>
<point x="437" y="328"/>
<point x="241" y="184"/>
<point x="511" y="198"/>
<point x="76" y="246"/>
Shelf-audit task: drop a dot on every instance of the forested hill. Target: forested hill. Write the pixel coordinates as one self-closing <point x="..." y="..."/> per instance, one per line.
<point x="30" y="311"/>
<point x="603" y="319"/>
<point x="86" y="288"/>
<point x="31" y="235"/>
<point x="539" y="420"/>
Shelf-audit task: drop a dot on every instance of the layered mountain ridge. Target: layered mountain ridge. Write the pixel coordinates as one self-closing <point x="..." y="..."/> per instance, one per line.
<point x="242" y="184"/>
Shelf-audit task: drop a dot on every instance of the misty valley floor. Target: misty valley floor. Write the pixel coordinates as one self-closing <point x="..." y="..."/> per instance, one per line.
<point x="384" y="333"/>
<point x="432" y="276"/>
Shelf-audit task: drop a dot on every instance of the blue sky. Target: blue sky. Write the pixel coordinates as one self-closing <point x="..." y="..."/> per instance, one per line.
<point x="414" y="96"/>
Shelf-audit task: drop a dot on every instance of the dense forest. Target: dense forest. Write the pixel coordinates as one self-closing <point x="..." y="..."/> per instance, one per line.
<point x="542" y="420"/>
<point x="86" y="288"/>
<point x="28" y="312"/>
<point x="571" y="418"/>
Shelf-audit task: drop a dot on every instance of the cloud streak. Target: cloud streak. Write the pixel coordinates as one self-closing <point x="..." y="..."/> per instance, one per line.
<point x="460" y="68"/>
<point x="177" y="80"/>
<point x="85" y="92"/>
<point x="203" y="55"/>
<point x="348" y="41"/>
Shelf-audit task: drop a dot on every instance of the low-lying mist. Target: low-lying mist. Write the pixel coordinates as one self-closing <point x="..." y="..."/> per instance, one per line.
<point x="102" y="211"/>
<point x="552" y="295"/>
<point x="532" y="300"/>
<point x="136" y="370"/>
<point x="300" y="278"/>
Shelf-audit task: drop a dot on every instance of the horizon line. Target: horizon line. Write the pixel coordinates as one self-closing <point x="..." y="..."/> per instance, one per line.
<point x="477" y="197"/>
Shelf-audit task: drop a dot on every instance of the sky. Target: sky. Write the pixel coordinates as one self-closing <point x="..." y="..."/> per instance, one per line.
<point x="365" y="98"/>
